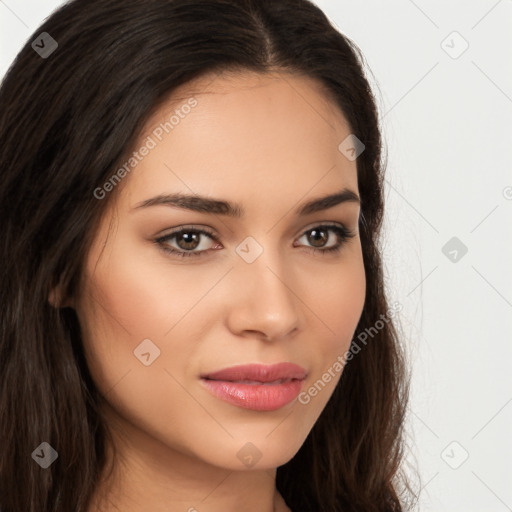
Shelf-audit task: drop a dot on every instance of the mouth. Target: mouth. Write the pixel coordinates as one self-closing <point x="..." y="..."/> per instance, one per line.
<point x="256" y="382"/>
<point x="257" y="387"/>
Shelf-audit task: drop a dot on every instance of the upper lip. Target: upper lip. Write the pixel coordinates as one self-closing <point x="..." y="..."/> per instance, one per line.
<point x="259" y="373"/>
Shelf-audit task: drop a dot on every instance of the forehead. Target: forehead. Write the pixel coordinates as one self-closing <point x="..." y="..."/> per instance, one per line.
<point x="245" y="131"/>
<point x="279" y="90"/>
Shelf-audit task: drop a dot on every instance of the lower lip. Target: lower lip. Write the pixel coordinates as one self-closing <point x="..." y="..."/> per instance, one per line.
<point x="258" y="397"/>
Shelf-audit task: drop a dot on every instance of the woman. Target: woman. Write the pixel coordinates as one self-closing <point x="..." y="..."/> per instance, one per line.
<point x="194" y="315"/>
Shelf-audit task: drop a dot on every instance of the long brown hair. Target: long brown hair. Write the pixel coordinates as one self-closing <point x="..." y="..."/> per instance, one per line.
<point x="66" y="123"/>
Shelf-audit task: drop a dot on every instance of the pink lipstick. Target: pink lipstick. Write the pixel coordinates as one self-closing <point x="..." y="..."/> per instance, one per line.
<point x="255" y="386"/>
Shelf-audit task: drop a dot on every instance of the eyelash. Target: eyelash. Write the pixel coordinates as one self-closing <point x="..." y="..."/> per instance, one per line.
<point x="343" y="233"/>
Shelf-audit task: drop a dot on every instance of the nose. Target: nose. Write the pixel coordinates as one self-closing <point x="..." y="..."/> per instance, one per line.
<point x="263" y="300"/>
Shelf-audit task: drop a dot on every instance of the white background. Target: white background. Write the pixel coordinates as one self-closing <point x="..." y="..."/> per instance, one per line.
<point x="448" y="131"/>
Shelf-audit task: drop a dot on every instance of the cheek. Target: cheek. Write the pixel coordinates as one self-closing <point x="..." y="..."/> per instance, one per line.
<point x="141" y="297"/>
<point x="129" y="302"/>
<point x="133" y="296"/>
<point x="339" y="300"/>
<point x="338" y="297"/>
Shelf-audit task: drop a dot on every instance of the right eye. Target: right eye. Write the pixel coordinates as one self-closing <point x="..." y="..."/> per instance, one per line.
<point x="189" y="238"/>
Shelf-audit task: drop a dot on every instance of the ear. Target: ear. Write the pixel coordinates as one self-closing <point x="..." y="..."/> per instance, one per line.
<point x="55" y="298"/>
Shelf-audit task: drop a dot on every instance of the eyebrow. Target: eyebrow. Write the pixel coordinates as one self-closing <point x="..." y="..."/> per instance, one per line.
<point x="220" y="207"/>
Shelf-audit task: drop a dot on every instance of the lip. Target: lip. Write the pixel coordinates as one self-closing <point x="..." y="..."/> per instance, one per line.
<point x="255" y="386"/>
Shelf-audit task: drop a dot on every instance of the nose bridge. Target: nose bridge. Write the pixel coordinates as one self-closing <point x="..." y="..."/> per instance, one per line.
<point x="266" y="295"/>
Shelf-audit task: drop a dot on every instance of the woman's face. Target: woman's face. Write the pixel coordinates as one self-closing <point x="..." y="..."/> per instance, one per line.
<point x="255" y="289"/>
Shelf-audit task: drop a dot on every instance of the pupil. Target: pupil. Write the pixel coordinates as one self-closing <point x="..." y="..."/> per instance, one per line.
<point x="190" y="238"/>
<point x="318" y="239"/>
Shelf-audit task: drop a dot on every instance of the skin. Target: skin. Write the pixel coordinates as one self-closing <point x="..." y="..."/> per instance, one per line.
<point x="269" y="143"/>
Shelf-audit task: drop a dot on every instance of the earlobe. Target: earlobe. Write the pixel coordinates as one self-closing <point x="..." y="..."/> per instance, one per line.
<point x="55" y="298"/>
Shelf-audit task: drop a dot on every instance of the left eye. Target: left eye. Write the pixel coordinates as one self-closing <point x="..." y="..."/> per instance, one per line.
<point x="189" y="240"/>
